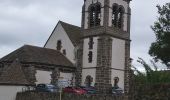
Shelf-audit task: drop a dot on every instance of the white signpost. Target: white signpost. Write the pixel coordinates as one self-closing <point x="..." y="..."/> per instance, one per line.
<point x="62" y="83"/>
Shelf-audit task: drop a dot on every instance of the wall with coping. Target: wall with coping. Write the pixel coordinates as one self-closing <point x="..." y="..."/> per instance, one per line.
<point x="54" y="96"/>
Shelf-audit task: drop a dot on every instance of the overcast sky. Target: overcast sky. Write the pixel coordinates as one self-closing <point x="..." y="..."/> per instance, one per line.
<point x="32" y="21"/>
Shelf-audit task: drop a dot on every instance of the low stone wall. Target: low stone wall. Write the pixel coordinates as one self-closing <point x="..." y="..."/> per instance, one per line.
<point x="53" y="96"/>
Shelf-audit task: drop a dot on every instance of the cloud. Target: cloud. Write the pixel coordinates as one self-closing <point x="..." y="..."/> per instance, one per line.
<point x="144" y="13"/>
<point x="32" y="21"/>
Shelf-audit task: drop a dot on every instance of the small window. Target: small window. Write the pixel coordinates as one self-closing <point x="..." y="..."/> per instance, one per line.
<point x="88" y="80"/>
<point x="59" y="45"/>
<point x="116" y="82"/>
<point x="90" y="59"/>
<point x="91" y="43"/>
<point x="64" y="51"/>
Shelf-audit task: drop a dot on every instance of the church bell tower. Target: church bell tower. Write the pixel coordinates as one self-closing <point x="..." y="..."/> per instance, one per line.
<point x="106" y="44"/>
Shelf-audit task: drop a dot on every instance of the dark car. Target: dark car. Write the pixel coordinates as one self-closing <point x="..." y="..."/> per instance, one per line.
<point x="90" y="90"/>
<point x="46" y="88"/>
<point x="117" y="90"/>
<point x="74" y="90"/>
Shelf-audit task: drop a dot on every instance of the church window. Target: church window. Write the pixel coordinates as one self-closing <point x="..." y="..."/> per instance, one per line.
<point x="115" y="15"/>
<point x="91" y="43"/>
<point x="120" y="17"/>
<point x="98" y="15"/>
<point x="92" y="16"/>
<point x="64" y="51"/>
<point x="95" y="14"/>
<point x="59" y="45"/>
<point x="90" y="59"/>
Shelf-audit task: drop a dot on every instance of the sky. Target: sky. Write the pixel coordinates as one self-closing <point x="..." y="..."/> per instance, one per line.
<point x="32" y="21"/>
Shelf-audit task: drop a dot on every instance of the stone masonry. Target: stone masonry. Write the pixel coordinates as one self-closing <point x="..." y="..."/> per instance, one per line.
<point x="55" y="75"/>
<point x="54" y="96"/>
<point x="78" y="73"/>
<point x="103" y="70"/>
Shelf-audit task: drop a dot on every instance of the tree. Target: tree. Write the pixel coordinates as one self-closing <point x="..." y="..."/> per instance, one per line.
<point x="160" y="49"/>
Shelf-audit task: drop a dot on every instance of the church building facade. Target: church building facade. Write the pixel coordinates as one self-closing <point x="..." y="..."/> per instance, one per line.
<point x="100" y="48"/>
<point x="95" y="54"/>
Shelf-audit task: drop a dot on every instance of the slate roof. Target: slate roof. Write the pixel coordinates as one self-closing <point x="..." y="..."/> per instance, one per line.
<point x="13" y="75"/>
<point x="38" y="55"/>
<point x="73" y="32"/>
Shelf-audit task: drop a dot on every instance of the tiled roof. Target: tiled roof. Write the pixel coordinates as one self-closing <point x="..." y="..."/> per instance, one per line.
<point x="14" y="75"/>
<point x="38" y="55"/>
<point x="73" y="32"/>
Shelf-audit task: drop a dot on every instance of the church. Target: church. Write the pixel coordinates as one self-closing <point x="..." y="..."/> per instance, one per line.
<point x="95" y="54"/>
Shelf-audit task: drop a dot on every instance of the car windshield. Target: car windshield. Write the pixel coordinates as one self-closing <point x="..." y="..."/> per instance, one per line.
<point x="50" y="86"/>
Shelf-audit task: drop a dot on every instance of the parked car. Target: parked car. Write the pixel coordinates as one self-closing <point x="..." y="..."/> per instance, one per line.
<point x="74" y="90"/>
<point x="90" y="90"/>
<point x="46" y="88"/>
<point x="117" y="90"/>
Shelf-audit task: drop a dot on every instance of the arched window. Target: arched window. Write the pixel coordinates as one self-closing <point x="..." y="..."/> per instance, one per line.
<point x="92" y="16"/>
<point x="59" y="45"/>
<point x="114" y="15"/>
<point x="116" y="81"/>
<point x="95" y="14"/>
<point x="117" y="16"/>
<point x="120" y="17"/>
<point x="88" y="80"/>
<point x="98" y="15"/>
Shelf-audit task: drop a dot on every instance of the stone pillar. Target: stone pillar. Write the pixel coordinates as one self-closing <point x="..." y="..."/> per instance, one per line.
<point x="103" y="70"/>
<point x="106" y="13"/>
<point x="78" y="74"/>
<point x="55" y="76"/>
<point x="127" y="67"/>
<point x="30" y="72"/>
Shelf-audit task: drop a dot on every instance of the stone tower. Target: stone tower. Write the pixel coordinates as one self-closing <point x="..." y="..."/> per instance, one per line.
<point x="105" y="44"/>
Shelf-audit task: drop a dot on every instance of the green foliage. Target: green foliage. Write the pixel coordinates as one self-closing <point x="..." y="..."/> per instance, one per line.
<point x="152" y="75"/>
<point x="160" y="49"/>
<point x="151" y="84"/>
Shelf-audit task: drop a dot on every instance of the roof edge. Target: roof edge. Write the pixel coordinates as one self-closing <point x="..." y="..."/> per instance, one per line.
<point x="51" y="33"/>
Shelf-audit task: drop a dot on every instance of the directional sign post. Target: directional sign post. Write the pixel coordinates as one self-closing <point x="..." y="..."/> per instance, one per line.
<point x="62" y="83"/>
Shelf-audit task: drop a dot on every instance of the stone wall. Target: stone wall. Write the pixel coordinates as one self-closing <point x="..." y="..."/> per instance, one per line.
<point x="103" y="70"/>
<point x="53" y="96"/>
<point x="79" y="65"/>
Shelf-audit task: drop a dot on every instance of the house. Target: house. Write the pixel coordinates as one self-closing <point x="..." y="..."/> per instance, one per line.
<point x="13" y="80"/>
<point x="30" y="65"/>
<point x="95" y="54"/>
